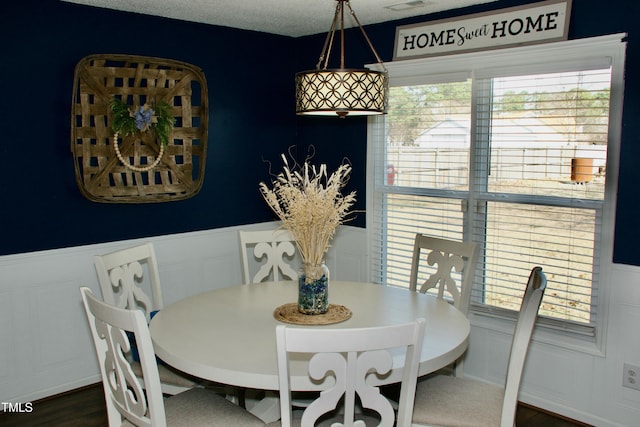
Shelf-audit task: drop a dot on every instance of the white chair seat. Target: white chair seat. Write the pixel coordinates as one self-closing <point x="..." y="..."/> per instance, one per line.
<point x="168" y="377"/>
<point x="440" y="396"/>
<point x="460" y="402"/>
<point x="328" y="422"/>
<point x="200" y="407"/>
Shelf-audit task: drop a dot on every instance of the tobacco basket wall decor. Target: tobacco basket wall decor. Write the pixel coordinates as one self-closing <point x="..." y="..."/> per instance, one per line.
<point x="138" y="128"/>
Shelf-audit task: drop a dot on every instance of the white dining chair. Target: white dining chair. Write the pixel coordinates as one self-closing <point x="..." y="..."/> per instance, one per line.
<point x="437" y="263"/>
<point x="272" y="250"/>
<point x="126" y="278"/>
<point x="443" y="400"/>
<point x="138" y="401"/>
<point x="434" y="262"/>
<point x="345" y="359"/>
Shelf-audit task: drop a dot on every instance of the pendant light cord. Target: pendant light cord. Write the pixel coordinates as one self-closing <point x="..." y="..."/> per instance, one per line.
<point x="353" y="14"/>
<point x="323" y="60"/>
<point x="325" y="54"/>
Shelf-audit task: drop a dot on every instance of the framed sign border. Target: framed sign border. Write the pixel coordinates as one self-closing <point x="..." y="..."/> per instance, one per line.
<point x="464" y="18"/>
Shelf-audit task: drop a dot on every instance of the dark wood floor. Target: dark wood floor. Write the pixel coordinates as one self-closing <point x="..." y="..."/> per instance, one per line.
<point x="85" y="408"/>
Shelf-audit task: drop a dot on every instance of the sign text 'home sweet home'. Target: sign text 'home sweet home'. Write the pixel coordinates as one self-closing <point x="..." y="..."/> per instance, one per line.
<point x="536" y="23"/>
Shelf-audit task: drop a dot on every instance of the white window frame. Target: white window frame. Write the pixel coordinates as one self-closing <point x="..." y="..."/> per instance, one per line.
<point x="588" y="53"/>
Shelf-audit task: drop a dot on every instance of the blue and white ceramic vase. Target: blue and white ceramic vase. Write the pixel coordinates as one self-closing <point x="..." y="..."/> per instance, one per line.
<point x="313" y="289"/>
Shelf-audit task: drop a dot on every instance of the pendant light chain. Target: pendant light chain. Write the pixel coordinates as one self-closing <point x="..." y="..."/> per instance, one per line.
<point x="366" y="37"/>
<point x="341" y="6"/>
<point x="323" y="60"/>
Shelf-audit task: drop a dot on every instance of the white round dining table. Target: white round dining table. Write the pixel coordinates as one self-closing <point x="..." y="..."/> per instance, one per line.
<point x="228" y="335"/>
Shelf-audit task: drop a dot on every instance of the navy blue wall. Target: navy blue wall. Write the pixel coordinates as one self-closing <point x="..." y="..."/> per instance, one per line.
<point x="251" y="99"/>
<point x="250" y="79"/>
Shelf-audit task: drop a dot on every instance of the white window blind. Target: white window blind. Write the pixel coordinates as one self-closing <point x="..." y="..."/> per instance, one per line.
<point x="515" y="157"/>
<point x="540" y="155"/>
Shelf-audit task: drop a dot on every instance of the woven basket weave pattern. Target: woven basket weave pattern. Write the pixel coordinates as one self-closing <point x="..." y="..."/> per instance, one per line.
<point x="138" y="80"/>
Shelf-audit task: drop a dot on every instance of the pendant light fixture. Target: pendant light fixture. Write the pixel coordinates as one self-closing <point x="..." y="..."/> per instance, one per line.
<point x="342" y="91"/>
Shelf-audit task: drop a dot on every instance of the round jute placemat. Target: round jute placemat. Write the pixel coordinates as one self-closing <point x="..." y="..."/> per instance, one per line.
<point x="289" y="313"/>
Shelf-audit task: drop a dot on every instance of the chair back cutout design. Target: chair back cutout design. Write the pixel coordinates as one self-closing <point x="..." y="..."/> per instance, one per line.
<point x="125" y="394"/>
<point x="122" y="275"/>
<point x="276" y="247"/>
<point x="344" y="359"/>
<point x="447" y="256"/>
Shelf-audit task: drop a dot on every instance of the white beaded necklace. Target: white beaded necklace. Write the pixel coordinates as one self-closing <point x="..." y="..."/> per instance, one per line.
<point x="129" y="165"/>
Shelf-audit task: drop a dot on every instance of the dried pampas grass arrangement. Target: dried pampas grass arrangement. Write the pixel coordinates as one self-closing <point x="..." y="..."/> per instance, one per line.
<point x="310" y="205"/>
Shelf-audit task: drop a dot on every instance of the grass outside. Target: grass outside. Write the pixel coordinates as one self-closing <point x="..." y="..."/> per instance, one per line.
<point x="518" y="237"/>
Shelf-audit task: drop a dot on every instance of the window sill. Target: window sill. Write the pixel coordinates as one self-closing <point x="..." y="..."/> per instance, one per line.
<point x="545" y="334"/>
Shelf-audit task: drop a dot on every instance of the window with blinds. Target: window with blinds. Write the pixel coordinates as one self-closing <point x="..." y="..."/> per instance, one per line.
<point x="513" y="156"/>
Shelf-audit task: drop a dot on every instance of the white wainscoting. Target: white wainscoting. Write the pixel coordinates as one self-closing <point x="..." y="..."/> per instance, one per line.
<point x="45" y="344"/>
<point x="45" y="347"/>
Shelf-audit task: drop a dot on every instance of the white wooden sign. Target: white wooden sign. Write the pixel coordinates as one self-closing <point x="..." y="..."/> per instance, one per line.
<point x="535" y="23"/>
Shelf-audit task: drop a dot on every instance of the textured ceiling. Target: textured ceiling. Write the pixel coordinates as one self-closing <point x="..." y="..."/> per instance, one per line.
<point x="285" y="17"/>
